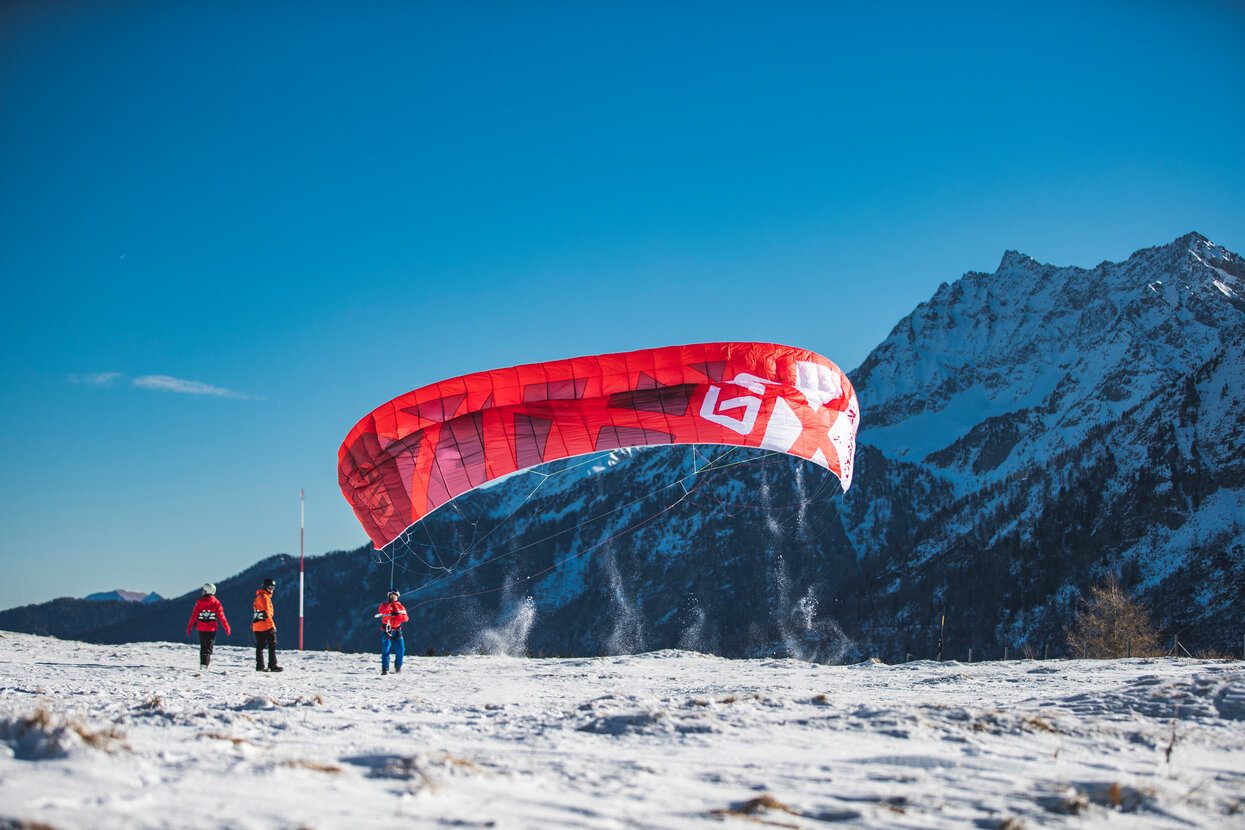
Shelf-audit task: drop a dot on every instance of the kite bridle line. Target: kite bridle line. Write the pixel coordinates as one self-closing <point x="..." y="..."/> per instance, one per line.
<point x="710" y="466"/>
<point x="591" y="548"/>
<point x="380" y="554"/>
<point x="450" y="572"/>
<point x="558" y="563"/>
<point x="725" y="507"/>
<point x="713" y="465"/>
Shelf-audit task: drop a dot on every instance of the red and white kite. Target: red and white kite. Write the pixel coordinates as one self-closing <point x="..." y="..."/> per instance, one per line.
<point x="415" y="453"/>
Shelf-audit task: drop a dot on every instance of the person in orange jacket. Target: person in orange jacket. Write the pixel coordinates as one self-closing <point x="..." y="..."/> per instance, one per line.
<point x="206" y="614"/>
<point x="392" y="615"/>
<point x="264" y="624"/>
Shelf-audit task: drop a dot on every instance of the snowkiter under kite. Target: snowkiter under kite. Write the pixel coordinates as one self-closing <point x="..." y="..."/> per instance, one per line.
<point x="264" y="625"/>
<point x="392" y="615"/>
<point x="207" y="613"/>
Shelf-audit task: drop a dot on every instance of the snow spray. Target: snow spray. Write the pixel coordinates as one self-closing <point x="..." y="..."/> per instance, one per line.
<point x="801" y="500"/>
<point x="628" y="634"/>
<point x="692" y="637"/>
<point x="509" y="637"/>
<point x="767" y="506"/>
<point x="803" y="636"/>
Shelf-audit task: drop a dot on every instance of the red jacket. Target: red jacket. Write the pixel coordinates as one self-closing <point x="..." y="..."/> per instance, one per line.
<point x="392" y="614"/>
<point x="205" y="614"/>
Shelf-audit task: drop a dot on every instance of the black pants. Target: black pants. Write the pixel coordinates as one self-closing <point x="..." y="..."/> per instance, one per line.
<point x="206" y="640"/>
<point x="266" y="639"/>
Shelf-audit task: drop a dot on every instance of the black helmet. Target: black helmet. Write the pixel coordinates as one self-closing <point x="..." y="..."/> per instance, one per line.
<point x="394" y="593"/>
<point x="270" y="584"/>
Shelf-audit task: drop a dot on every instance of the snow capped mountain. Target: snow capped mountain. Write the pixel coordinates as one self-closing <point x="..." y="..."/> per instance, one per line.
<point x="1024" y="363"/>
<point x="1073" y="423"/>
<point x="1024" y="435"/>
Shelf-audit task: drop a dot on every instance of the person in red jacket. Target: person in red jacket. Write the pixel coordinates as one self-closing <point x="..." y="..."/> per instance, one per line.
<point x="392" y="615"/>
<point x="264" y="624"/>
<point x="206" y="614"/>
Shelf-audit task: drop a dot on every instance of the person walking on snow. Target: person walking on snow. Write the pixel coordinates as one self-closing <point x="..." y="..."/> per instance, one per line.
<point x="264" y="624"/>
<point x="392" y="615"/>
<point x="206" y="614"/>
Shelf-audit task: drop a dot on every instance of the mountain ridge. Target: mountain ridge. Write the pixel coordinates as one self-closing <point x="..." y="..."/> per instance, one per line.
<point x="125" y="596"/>
<point x="1025" y="434"/>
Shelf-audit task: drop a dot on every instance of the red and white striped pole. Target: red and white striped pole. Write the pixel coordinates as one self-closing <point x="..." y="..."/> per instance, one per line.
<point x="302" y="512"/>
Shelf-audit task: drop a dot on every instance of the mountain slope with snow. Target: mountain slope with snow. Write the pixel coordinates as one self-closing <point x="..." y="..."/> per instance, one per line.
<point x="1076" y="423"/>
<point x="1025" y="434"/>
<point x="1026" y="362"/>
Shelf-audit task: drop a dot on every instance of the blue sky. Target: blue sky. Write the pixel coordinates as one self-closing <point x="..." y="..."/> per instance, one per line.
<point x="230" y="230"/>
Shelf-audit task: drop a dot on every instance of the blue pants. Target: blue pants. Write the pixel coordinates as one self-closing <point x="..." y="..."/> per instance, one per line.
<point x="392" y="641"/>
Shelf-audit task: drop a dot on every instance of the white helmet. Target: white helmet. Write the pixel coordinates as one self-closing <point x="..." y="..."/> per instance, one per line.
<point x="209" y="589"/>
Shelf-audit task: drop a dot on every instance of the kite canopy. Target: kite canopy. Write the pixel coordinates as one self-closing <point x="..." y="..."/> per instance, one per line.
<point x="415" y="453"/>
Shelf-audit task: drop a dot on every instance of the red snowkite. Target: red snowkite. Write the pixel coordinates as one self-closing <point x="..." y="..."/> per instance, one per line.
<point x="415" y="453"/>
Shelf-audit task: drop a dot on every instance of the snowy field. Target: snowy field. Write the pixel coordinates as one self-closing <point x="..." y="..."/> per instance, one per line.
<point x="134" y="736"/>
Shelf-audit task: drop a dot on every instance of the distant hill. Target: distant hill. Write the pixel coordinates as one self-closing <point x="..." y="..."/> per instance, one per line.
<point x="345" y="590"/>
<point x="126" y="596"/>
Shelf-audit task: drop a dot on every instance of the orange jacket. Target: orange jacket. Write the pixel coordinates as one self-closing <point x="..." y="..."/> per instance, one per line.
<point x="263" y="618"/>
<point x="206" y="613"/>
<point x="392" y="614"/>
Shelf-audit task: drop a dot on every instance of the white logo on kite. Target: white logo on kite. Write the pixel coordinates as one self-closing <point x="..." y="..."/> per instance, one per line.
<point x="713" y="409"/>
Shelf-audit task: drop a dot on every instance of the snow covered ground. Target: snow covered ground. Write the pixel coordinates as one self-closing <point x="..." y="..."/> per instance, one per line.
<point x="134" y="736"/>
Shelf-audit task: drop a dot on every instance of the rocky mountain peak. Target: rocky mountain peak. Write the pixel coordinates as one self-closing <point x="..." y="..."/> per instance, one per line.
<point x="1016" y="261"/>
<point x="1045" y="354"/>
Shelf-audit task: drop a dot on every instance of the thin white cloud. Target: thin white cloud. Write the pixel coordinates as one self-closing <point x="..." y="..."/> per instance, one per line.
<point x="95" y="378"/>
<point x="165" y="383"/>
